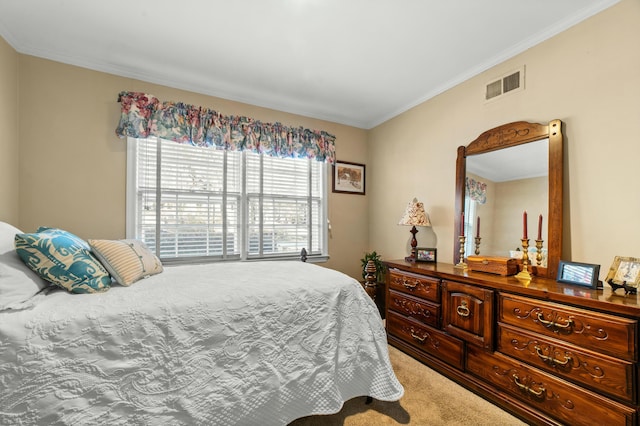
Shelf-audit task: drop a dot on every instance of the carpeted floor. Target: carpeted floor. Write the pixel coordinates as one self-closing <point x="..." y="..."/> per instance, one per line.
<point x="430" y="399"/>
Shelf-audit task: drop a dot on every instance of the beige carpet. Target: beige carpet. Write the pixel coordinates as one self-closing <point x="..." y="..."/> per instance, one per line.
<point x="429" y="399"/>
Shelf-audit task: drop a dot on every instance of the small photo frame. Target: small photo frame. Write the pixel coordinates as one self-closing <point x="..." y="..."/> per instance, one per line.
<point x="424" y="254"/>
<point x="624" y="271"/>
<point x="584" y="274"/>
<point x="349" y="178"/>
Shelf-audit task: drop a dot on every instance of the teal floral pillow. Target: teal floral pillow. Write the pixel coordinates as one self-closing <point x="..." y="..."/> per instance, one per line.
<point x="63" y="259"/>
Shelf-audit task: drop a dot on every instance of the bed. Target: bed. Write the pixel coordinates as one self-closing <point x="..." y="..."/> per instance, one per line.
<point x="221" y="343"/>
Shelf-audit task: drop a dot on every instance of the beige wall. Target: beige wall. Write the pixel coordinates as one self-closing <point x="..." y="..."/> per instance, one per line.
<point x="72" y="166"/>
<point x="587" y="76"/>
<point x="8" y="134"/>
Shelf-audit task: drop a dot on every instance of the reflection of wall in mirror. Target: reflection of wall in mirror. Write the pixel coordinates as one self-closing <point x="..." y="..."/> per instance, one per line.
<point x="512" y="199"/>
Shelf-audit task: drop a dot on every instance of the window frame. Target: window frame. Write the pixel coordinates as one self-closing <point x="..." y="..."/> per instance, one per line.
<point x="312" y="257"/>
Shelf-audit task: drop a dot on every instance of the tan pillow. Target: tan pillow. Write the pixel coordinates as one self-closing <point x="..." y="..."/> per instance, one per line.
<point x="126" y="260"/>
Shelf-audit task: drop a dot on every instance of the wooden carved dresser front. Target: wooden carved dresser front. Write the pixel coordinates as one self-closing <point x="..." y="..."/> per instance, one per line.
<point x="550" y="353"/>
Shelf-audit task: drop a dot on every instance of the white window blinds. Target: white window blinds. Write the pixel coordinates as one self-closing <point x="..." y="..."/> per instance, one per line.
<point x="190" y="203"/>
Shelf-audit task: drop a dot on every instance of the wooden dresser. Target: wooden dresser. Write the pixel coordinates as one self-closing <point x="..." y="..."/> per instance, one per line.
<point x="549" y="353"/>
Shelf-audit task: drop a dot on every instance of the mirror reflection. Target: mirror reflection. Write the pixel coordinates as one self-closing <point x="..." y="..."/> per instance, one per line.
<point x="500" y="186"/>
<point x="509" y="165"/>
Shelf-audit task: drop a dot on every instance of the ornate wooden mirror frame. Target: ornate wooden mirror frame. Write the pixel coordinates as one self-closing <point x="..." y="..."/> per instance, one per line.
<point x="513" y="134"/>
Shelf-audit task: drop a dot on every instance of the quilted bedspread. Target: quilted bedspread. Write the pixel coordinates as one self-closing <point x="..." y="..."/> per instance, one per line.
<point x="248" y="343"/>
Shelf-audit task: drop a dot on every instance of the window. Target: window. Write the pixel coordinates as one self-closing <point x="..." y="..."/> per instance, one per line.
<point x="469" y="226"/>
<point x="189" y="203"/>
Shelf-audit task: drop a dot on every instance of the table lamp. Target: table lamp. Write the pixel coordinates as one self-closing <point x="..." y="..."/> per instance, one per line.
<point x="414" y="215"/>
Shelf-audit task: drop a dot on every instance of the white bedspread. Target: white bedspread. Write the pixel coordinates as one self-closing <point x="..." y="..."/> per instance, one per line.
<point x="253" y="343"/>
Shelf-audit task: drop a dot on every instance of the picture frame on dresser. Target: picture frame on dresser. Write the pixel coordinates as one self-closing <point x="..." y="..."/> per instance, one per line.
<point x="349" y="178"/>
<point x="583" y="274"/>
<point x="624" y="273"/>
<point x="426" y="254"/>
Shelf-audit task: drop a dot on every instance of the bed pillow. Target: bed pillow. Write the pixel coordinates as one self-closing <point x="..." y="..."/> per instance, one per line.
<point x="18" y="283"/>
<point x="126" y="260"/>
<point x="63" y="259"/>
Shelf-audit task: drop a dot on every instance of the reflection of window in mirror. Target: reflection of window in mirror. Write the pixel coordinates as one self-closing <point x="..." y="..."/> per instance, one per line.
<point x="475" y="195"/>
<point x="469" y="226"/>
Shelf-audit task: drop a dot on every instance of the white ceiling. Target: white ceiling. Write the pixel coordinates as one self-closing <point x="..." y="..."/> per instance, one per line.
<point x="356" y="62"/>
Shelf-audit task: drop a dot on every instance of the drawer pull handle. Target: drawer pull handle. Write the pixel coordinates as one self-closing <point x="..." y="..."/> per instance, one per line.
<point x="408" y="285"/>
<point x="463" y="310"/>
<point x="552" y="324"/>
<point x="538" y="394"/>
<point x="551" y="359"/>
<point x="418" y="338"/>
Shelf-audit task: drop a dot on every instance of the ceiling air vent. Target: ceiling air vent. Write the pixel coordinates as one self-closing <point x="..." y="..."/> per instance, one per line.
<point x="511" y="82"/>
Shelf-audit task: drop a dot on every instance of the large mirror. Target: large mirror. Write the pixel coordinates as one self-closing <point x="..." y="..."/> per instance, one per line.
<point x="504" y="172"/>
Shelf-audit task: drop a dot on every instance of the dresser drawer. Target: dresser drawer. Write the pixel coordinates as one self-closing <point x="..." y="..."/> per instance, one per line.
<point x="427" y="312"/>
<point x="417" y="285"/>
<point x="615" y="336"/>
<point x="599" y="372"/>
<point x="427" y="339"/>
<point x="562" y="400"/>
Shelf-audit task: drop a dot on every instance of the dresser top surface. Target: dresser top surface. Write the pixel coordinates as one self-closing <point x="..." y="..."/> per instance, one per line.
<point x="604" y="300"/>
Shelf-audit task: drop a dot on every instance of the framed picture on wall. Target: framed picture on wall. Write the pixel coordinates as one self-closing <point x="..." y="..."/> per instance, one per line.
<point x="424" y="254"/>
<point x="349" y="178"/>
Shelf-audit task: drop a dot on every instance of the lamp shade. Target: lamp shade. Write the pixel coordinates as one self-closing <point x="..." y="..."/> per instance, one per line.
<point x="414" y="215"/>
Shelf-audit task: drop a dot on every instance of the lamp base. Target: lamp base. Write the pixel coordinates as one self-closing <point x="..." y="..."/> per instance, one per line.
<point x="414" y="244"/>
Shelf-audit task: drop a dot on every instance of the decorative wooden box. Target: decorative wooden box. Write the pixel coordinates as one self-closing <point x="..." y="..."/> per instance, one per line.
<point x="493" y="264"/>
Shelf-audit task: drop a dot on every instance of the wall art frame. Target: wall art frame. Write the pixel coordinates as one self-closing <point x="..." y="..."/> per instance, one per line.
<point x="349" y="178"/>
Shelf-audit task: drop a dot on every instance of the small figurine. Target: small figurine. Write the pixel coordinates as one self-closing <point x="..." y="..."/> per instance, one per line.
<point x="627" y="289"/>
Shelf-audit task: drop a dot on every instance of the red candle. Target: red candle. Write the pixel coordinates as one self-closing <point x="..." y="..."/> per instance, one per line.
<point x="524" y="225"/>
<point x="540" y="227"/>
<point x="478" y="228"/>
<point x="462" y="224"/>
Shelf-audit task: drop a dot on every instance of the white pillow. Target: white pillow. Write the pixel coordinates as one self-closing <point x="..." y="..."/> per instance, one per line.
<point x="18" y="283"/>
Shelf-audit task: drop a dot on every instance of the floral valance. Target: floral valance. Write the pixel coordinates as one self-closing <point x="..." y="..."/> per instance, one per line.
<point x="477" y="190"/>
<point x="143" y="115"/>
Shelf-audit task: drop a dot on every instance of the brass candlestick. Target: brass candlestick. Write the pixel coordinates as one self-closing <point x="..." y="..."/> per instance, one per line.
<point x="461" y="263"/>
<point x="524" y="274"/>
<point x="478" y="245"/>
<point x="539" y="252"/>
